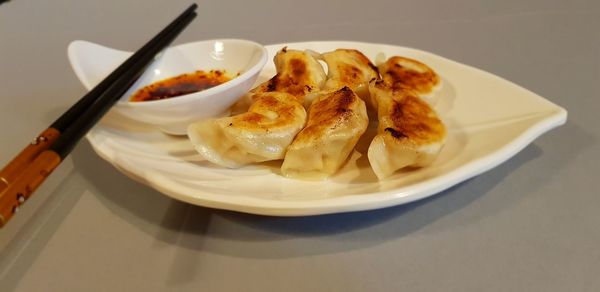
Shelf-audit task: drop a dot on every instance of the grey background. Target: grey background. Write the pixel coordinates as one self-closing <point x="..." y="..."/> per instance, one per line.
<point x="531" y="224"/>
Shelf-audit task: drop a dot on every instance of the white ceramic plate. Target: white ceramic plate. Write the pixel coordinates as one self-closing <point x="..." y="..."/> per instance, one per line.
<point x="489" y="120"/>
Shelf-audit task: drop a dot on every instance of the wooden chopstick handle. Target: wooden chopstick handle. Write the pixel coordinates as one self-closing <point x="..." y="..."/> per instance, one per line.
<point x="30" y="179"/>
<point x="15" y="167"/>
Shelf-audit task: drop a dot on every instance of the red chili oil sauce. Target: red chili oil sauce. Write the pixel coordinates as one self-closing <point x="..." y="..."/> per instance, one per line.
<point x="181" y="85"/>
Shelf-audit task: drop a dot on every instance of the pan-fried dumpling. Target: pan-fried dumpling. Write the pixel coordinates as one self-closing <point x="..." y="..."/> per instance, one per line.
<point x="349" y="68"/>
<point x="298" y="73"/>
<point x="261" y="134"/>
<point x="401" y="73"/>
<point x="409" y="132"/>
<point x="335" y="123"/>
<point x="337" y="118"/>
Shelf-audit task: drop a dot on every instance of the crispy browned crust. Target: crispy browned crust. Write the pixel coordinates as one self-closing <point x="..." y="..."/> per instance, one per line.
<point x="408" y="74"/>
<point x="293" y="75"/>
<point x="361" y="58"/>
<point x="295" y="81"/>
<point x="269" y="111"/>
<point x="352" y="74"/>
<point x="411" y="119"/>
<point x="328" y="113"/>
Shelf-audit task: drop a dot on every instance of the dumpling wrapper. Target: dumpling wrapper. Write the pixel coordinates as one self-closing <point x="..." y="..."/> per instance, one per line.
<point x="350" y="68"/>
<point x="405" y="74"/>
<point x="298" y="73"/>
<point x="409" y="131"/>
<point x="261" y="134"/>
<point x="335" y="123"/>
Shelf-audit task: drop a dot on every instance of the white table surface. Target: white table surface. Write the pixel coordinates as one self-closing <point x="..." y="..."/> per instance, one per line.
<point x="531" y="224"/>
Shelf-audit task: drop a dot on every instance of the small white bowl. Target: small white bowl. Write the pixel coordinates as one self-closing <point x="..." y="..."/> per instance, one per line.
<point x="92" y="62"/>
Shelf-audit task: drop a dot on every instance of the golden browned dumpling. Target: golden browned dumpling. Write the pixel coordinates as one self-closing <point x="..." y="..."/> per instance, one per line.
<point x="335" y="123"/>
<point x="298" y="73"/>
<point x="404" y="74"/>
<point x="349" y="68"/>
<point x="409" y="132"/>
<point x="261" y="134"/>
<point x="337" y="118"/>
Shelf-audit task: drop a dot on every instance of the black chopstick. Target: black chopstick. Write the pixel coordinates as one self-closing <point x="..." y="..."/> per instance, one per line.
<point x="77" y="109"/>
<point x="30" y="168"/>
<point x="69" y="138"/>
<point x="13" y="169"/>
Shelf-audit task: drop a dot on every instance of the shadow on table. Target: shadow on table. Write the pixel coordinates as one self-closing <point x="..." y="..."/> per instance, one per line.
<point x="243" y="235"/>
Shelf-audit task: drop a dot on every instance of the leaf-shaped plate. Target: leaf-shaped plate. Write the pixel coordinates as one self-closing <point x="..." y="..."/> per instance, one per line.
<point x="489" y="120"/>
